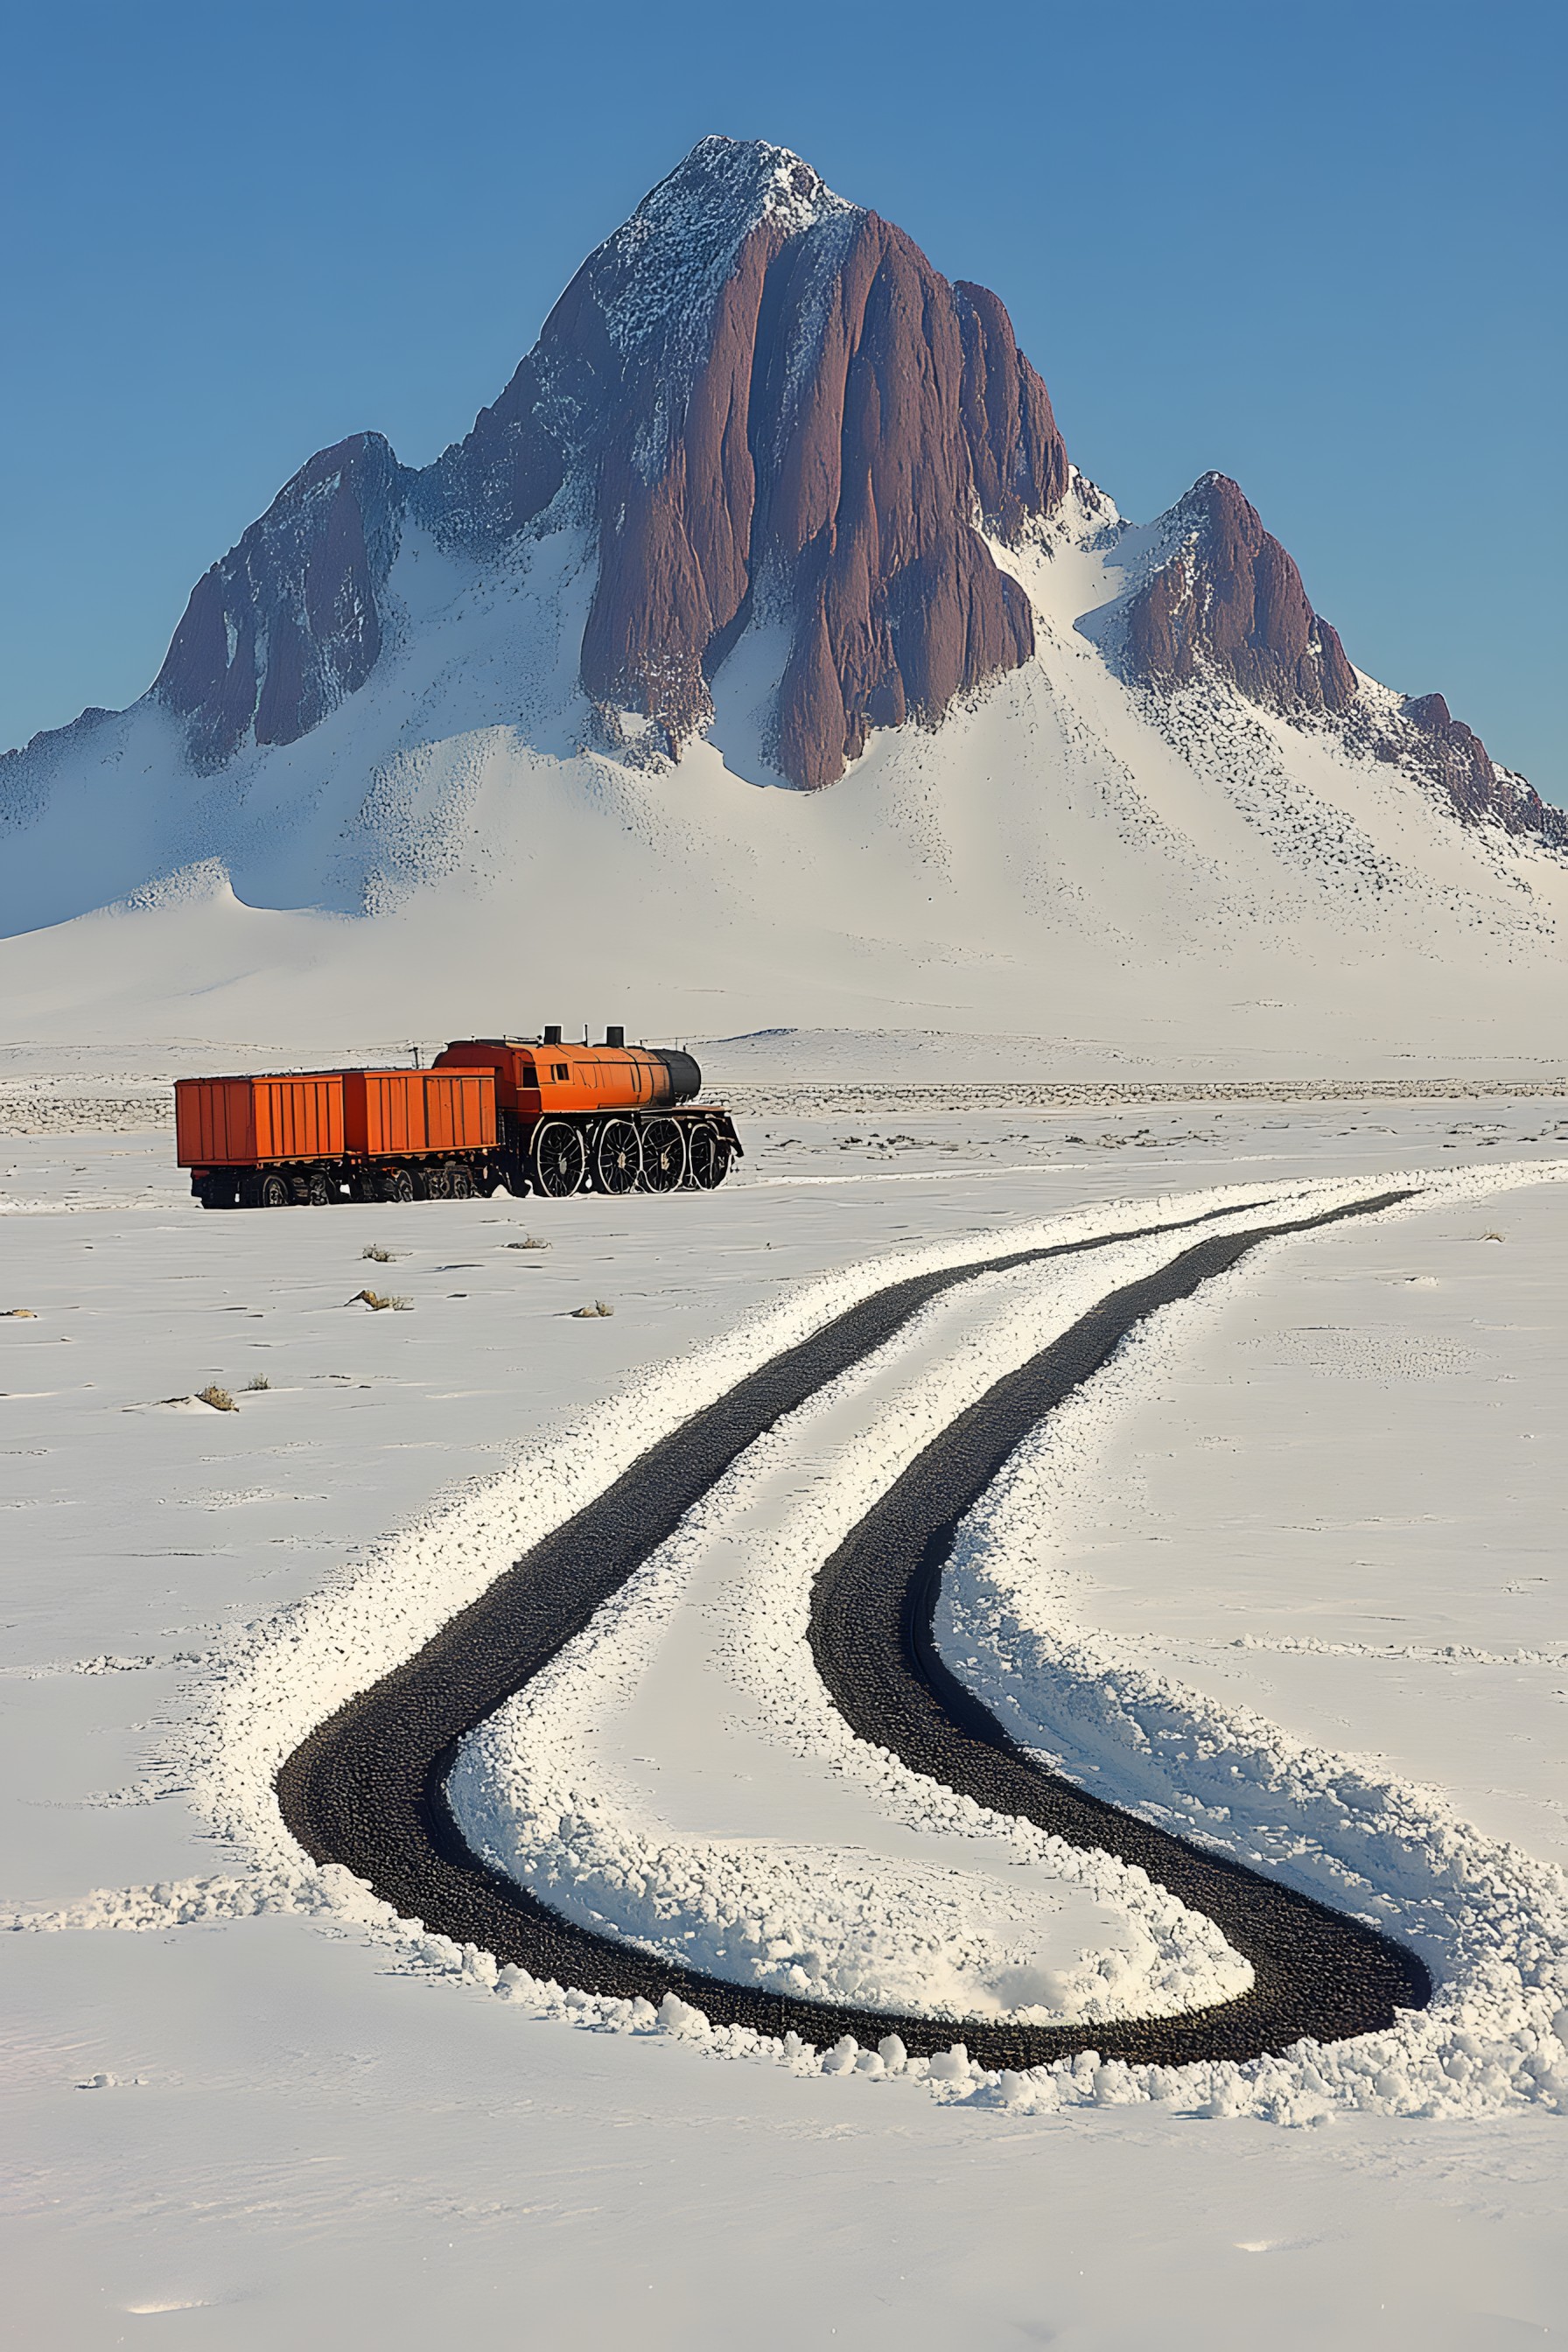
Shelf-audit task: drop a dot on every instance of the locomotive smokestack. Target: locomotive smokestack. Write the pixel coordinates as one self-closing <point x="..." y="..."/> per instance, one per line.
<point x="614" y="1036"/>
<point x="553" y="1035"/>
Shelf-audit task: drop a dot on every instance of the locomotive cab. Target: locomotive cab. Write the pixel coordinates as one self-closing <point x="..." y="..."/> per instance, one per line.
<point x="615" y="1117"/>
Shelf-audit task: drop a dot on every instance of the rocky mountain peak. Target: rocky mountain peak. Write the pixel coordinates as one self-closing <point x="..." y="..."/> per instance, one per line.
<point x="658" y="279"/>
<point x="289" y="621"/>
<point x="1228" y="600"/>
<point x="759" y="394"/>
<point x="1221" y="599"/>
<point x="760" y="402"/>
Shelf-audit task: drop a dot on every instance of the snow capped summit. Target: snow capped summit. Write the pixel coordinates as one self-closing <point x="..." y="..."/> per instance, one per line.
<point x="662" y="271"/>
<point x="771" y="500"/>
<point x="760" y="396"/>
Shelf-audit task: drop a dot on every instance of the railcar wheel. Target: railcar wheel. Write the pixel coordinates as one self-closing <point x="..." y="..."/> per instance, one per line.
<point x="459" y="1184"/>
<point x="437" y="1184"/>
<point x="559" y="1160"/>
<point x="663" y="1156"/>
<point x="617" y="1157"/>
<point x="397" y="1185"/>
<point x="708" y="1158"/>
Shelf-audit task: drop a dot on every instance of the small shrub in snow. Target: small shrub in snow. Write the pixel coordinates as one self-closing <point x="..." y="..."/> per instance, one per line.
<point x="375" y="1250"/>
<point x="20" y="1315"/>
<point x="529" y="1241"/>
<point x="260" y="1381"/>
<point x="382" y="1300"/>
<point x="600" y="1307"/>
<point x="219" y="1399"/>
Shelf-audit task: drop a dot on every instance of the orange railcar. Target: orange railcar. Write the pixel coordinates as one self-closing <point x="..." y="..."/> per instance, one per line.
<point x="237" y="1122"/>
<point x="389" y="1113"/>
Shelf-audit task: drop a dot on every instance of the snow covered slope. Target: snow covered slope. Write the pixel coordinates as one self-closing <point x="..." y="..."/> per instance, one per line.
<point x="523" y="736"/>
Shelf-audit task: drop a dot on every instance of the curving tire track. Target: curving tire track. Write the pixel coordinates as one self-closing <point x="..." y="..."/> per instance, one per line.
<point x="366" y="1789"/>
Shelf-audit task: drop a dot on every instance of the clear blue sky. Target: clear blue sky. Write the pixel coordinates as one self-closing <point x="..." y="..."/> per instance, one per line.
<point x="1318" y="247"/>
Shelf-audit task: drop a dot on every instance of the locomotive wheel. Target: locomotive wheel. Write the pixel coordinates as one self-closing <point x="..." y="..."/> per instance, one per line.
<point x="397" y="1185"/>
<point x="708" y="1158"/>
<point x="559" y="1160"/>
<point x="437" y="1184"/>
<point x="663" y="1156"/>
<point x="617" y="1157"/>
<point x="460" y="1184"/>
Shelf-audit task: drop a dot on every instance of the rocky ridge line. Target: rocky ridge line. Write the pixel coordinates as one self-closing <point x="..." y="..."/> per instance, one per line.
<point x="1226" y="601"/>
<point x="762" y="401"/>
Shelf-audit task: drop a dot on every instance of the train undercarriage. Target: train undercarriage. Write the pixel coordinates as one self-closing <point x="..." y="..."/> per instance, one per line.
<point x="680" y="1150"/>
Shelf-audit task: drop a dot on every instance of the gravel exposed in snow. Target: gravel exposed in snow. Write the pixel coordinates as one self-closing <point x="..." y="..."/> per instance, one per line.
<point x="781" y="1101"/>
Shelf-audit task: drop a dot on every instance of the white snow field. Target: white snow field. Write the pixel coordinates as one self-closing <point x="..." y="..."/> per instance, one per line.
<point x="1069" y="856"/>
<point x="1287" y="1575"/>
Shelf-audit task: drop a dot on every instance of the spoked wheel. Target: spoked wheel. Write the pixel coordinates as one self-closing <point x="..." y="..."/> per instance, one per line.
<point x="272" y="1191"/>
<point x="617" y="1157"/>
<point x="461" y="1183"/>
<point x="560" y="1159"/>
<point x="397" y="1185"/>
<point x="708" y="1158"/>
<point x="663" y="1156"/>
<point x="322" y="1193"/>
<point x="437" y="1184"/>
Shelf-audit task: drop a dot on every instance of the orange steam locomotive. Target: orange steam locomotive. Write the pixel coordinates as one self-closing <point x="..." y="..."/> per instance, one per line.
<point x="531" y="1114"/>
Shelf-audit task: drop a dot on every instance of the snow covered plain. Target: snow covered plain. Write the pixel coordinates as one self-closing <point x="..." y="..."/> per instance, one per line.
<point x="304" y="2125"/>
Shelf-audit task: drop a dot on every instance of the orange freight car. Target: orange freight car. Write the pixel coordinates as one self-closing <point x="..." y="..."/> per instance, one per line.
<point x="389" y="1114"/>
<point x="530" y="1113"/>
<point x="313" y="1136"/>
<point x="237" y="1122"/>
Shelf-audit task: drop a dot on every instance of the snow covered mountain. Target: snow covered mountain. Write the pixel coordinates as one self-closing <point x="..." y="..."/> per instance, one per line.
<point x="760" y="657"/>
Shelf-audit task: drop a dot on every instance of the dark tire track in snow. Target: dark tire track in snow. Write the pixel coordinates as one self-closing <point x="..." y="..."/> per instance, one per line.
<point x="366" y="1789"/>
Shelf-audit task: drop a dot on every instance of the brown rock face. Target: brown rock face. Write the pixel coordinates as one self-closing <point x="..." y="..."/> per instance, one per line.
<point x="1455" y="758"/>
<point x="760" y="398"/>
<point x="1231" y="600"/>
<point x="919" y="409"/>
<point x="288" y="624"/>
<point x="768" y="399"/>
